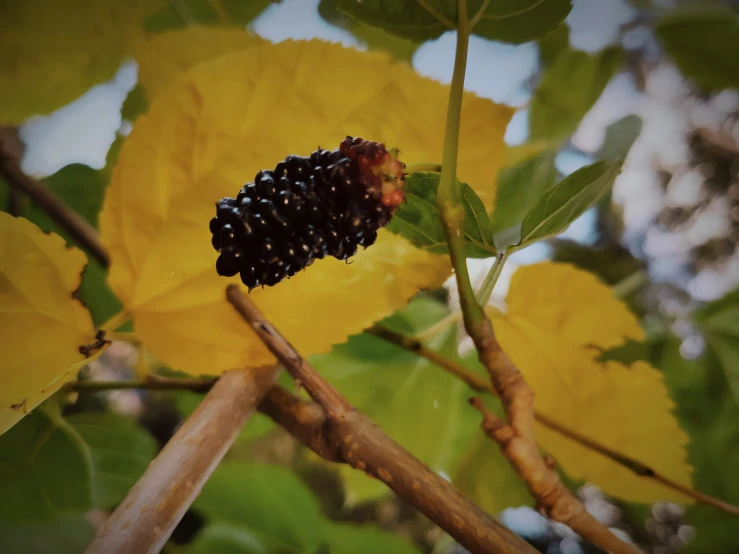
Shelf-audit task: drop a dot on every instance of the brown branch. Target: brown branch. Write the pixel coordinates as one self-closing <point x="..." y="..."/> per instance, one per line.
<point x="80" y="230"/>
<point x="349" y="436"/>
<point x="324" y="394"/>
<point x="145" y="519"/>
<point x="518" y="443"/>
<point x="479" y="384"/>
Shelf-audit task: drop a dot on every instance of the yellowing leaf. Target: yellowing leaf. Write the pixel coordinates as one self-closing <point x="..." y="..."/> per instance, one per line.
<point x="554" y="312"/>
<point x="211" y="132"/>
<point x="54" y="51"/>
<point x="162" y="57"/>
<point x="42" y="325"/>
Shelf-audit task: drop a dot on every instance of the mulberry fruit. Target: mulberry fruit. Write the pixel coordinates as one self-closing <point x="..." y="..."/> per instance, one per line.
<point x="328" y="203"/>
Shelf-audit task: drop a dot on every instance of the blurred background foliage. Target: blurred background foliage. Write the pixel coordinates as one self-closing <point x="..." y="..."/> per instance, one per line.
<point x="654" y="82"/>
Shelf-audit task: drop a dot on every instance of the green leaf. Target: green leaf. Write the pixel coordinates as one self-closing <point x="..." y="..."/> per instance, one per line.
<point x="486" y="477"/>
<point x="417" y="404"/>
<point x="64" y="535"/>
<point x="567" y="91"/>
<point x="257" y="426"/>
<point x="364" y="539"/>
<point x="135" y="104"/>
<point x="709" y="413"/>
<point x="514" y="21"/>
<point x="418" y="220"/>
<point x="719" y="321"/>
<point x="519" y="187"/>
<point x="373" y="37"/>
<point x="269" y="501"/>
<point x="553" y="45"/>
<point x="82" y="189"/>
<point x="176" y="15"/>
<point x="45" y="469"/>
<point x="702" y="39"/>
<point x="224" y="538"/>
<point x="568" y="200"/>
<point x="519" y="21"/>
<point x="121" y="451"/>
<point x="620" y="135"/>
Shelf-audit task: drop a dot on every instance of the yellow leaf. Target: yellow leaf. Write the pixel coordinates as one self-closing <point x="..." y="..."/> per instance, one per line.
<point x="554" y="312"/>
<point x="42" y="325"/>
<point x="164" y="56"/>
<point x="211" y="132"/>
<point x="52" y="51"/>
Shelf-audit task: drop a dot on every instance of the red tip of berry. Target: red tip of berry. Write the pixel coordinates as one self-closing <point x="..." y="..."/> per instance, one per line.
<point x="379" y="169"/>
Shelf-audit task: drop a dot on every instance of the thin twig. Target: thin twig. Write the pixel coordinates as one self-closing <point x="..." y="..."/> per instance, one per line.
<point x="439" y="17"/>
<point x="151" y="382"/>
<point x="81" y="231"/>
<point x="476" y="383"/>
<point x="349" y="436"/>
<point x="516" y="436"/>
<point x="480" y="384"/>
<point x="335" y="405"/>
<point x="517" y="441"/>
<point x="544" y="483"/>
<point x="145" y="519"/>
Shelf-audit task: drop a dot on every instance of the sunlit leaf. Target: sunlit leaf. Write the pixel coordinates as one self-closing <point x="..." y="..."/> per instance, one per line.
<point x="54" y="51"/>
<point x="121" y="451"/>
<point x="555" y="316"/>
<point x="568" y="89"/>
<point x="567" y="200"/>
<point x="45" y="470"/>
<point x="43" y="325"/>
<point x="267" y="500"/>
<point x="515" y="22"/>
<point x="82" y="188"/>
<point x="701" y="38"/>
<point x="414" y="402"/>
<point x="224" y="121"/>
<point x="419" y="221"/>
<point x="163" y="57"/>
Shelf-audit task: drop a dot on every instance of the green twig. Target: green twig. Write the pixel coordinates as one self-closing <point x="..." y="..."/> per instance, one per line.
<point x="630" y="284"/>
<point x="450" y="195"/>
<point x="483" y="295"/>
<point x="151" y="382"/>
